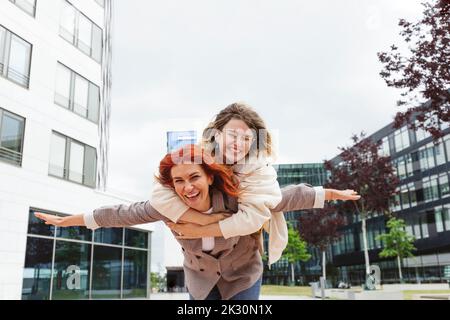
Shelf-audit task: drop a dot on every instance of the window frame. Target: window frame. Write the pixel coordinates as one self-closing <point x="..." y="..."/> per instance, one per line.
<point x="32" y="14"/>
<point x="66" y="168"/>
<point x="20" y="118"/>
<point x="71" y="99"/>
<point x="6" y="58"/>
<point x="76" y="34"/>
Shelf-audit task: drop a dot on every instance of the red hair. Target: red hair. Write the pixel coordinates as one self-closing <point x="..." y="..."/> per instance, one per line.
<point x="224" y="179"/>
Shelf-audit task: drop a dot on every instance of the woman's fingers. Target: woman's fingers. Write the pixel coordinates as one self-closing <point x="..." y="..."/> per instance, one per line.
<point x="49" y="219"/>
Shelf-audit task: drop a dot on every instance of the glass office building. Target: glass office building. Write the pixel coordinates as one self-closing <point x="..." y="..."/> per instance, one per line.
<point x="423" y="201"/>
<point x="280" y="272"/>
<point x="178" y="139"/>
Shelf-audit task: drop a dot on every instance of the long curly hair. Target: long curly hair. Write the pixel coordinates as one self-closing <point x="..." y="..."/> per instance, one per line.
<point x="224" y="179"/>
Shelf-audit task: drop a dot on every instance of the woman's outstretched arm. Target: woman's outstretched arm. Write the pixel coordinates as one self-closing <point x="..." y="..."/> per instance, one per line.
<point x="107" y="217"/>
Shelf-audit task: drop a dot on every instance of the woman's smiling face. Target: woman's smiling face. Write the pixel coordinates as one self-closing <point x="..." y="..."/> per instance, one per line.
<point x="192" y="185"/>
<point x="235" y="140"/>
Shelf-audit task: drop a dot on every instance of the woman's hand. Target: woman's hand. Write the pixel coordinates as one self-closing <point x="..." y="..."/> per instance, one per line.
<point x="69" y="221"/>
<point x="344" y="195"/>
<point x="186" y="230"/>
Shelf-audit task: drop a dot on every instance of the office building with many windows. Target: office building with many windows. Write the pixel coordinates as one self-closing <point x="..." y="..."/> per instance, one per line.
<point x="422" y="200"/>
<point x="55" y="80"/>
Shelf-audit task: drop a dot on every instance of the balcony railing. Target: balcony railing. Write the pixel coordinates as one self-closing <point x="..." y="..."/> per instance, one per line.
<point x="11" y="156"/>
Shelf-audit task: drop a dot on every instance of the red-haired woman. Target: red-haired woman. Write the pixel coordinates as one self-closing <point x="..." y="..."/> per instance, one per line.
<point x="215" y="268"/>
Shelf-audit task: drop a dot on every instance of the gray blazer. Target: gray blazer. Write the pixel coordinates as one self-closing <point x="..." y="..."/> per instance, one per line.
<point x="234" y="264"/>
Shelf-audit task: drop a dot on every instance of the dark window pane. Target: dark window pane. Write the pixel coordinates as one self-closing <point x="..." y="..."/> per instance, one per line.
<point x="106" y="272"/>
<point x="109" y="235"/>
<point x="74" y="233"/>
<point x="38" y="264"/>
<point x="71" y="271"/>
<point x="38" y="226"/>
<point x="11" y="134"/>
<point x="136" y="239"/>
<point x="135" y="274"/>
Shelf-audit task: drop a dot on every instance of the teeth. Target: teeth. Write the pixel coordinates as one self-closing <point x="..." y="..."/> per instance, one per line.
<point x="192" y="196"/>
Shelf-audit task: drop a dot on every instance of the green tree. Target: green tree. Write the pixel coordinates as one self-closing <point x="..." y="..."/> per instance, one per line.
<point x="397" y="243"/>
<point x="296" y="249"/>
<point x="158" y="281"/>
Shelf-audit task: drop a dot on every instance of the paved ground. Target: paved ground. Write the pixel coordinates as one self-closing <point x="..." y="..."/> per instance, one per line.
<point x="185" y="296"/>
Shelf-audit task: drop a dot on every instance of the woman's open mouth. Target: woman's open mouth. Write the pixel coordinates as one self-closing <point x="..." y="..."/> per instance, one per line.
<point x="193" y="196"/>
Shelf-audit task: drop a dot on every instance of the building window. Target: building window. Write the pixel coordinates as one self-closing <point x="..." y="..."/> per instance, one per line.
<point x="442" y="218"/>
<point x="430" y="188"/>
<point x="105" y="271"/>
<point x="412" y="194"/>
<point x="401" y="138"/>
<point x="77" y="94"/>
<point x="447" y="147"/>
<point x="404" y="196"/>
<point x="444" y="185"/>
<point x="417" y="226"/>
<point x="395" y="202"/>
<point x="76" y="28"/>
<point x="29" y="6"/>
<point x="424" y="226"/>
<point x="384" y="148"/>
<point x="15" y="58"/>
<point x="446" y="216"/>
<point x="12" y="128"/>
<point x="421" y="134"/>
<point x="72" y="160"/>
<point x="426" y="157"/>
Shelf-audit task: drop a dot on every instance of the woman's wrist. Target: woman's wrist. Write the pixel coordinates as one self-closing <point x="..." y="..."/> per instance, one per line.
<point x="74" y="221"/>
<point x="329" y="194"/>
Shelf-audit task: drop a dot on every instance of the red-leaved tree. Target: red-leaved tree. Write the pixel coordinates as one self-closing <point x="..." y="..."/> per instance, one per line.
<point x="320" y="229"/>
<point x="373" y="176"/>
<point x="423" y="73"/>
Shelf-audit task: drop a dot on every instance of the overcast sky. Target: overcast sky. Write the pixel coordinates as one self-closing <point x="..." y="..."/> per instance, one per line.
<point x="308" y="67"/>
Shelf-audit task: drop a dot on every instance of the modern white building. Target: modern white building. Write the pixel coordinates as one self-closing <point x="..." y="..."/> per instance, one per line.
<point x="55" y="80"/>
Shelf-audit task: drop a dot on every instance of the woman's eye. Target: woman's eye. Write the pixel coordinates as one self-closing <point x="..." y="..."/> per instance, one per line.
<point x="195" y="177"/>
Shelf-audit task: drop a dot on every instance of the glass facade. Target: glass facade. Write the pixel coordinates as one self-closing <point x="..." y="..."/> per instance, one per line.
<point x="77" y="263"/>
<point x="280" y="272"/>
<point x="178" y="139"/>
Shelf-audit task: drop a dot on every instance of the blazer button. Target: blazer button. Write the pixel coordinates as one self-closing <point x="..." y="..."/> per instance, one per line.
<point x="202" y="270"/>
<point x="198" y="257"/>
<point x="183" y="249"/>
<point x="218" y="273"/>
<point x="235" y="246"/>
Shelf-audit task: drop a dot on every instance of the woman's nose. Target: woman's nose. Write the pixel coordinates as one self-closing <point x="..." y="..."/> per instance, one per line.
<point x="188" y="187"/>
